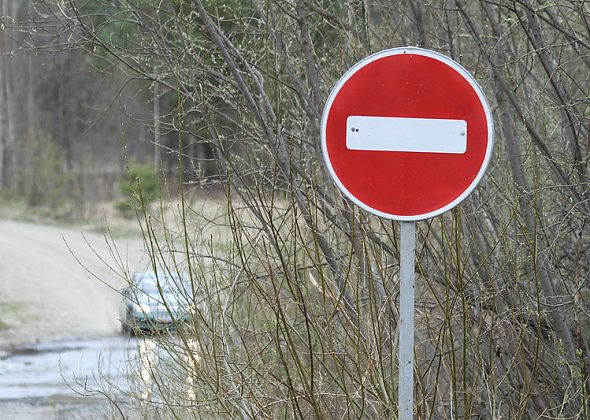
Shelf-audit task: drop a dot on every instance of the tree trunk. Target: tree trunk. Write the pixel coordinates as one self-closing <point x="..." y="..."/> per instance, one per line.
<point x="157" y="130"/>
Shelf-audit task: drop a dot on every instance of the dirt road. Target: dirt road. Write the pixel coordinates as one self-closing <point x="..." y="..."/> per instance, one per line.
<point x="58" y="319"/>
<point x="51" y="282"/>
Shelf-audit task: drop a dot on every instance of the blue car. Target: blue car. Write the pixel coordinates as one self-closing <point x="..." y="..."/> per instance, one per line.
<point x="155" y="301"/>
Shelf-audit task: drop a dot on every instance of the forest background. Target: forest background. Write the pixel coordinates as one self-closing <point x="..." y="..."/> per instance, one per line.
<point x="301" y="317"/>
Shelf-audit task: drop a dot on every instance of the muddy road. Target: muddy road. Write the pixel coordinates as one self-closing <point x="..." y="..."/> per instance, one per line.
<point x="58" y="319"/>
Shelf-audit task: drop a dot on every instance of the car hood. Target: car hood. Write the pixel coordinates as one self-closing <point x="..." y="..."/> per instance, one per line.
<point x="163" y="302"/>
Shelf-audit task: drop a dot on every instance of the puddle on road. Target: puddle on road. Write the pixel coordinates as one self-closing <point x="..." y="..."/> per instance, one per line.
<point x="64" y="368"/>
<point x="58" y="379"/>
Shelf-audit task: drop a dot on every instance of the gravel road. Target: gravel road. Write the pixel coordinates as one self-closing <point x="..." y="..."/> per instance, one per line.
<point x="58" y="319"/>
<point x="59" y="283"/>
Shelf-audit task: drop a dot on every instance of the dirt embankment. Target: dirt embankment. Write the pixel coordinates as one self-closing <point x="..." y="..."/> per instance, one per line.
<point x="51" y="282"/>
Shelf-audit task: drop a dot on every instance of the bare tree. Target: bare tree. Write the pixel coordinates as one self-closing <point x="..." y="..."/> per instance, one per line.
<point x="296" y="313"/>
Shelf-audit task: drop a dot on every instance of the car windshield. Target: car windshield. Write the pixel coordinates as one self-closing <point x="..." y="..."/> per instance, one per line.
<point x="170" y="284"/>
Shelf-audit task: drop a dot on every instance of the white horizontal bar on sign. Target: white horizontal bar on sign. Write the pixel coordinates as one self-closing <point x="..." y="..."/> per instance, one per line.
<point x="395" y="134"/>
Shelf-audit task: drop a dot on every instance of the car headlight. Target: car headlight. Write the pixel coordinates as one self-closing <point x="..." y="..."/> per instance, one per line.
<point x="141" y="308"/>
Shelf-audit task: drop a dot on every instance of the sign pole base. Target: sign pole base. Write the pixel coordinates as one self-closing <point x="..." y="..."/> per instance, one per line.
<point x="406" y="329"/>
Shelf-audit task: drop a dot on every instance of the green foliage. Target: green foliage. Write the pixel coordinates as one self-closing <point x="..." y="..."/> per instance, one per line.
<point x="115" y="25"/>
<point x="139" y="187"/>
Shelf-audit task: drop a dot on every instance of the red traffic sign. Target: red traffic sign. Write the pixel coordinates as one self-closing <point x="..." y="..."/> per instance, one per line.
<point x="407" y="133"/>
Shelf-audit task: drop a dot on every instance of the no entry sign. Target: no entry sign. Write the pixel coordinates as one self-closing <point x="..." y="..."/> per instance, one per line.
<point x="407" y="133"/>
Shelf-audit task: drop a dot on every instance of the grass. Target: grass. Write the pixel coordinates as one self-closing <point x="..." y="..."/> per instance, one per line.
<point x="11" y="312"/>
<point x="116" y="232"/>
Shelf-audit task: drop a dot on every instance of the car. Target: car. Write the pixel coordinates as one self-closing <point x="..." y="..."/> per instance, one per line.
<point x="154" y="301"/>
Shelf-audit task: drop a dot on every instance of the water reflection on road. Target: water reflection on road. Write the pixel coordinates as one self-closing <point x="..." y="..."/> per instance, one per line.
<point x="67" y="370"/>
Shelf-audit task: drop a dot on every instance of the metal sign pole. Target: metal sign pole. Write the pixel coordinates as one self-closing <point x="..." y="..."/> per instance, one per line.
<point x="406" y="330"/>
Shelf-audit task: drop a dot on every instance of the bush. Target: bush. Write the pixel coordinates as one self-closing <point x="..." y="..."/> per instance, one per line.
<point x="139" y="187"/>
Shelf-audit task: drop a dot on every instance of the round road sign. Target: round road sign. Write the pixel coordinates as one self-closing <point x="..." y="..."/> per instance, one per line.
<point x="407" y="133"/>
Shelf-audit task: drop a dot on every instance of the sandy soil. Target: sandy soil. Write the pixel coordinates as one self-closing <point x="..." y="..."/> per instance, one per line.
<point x="60" y="282"/>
